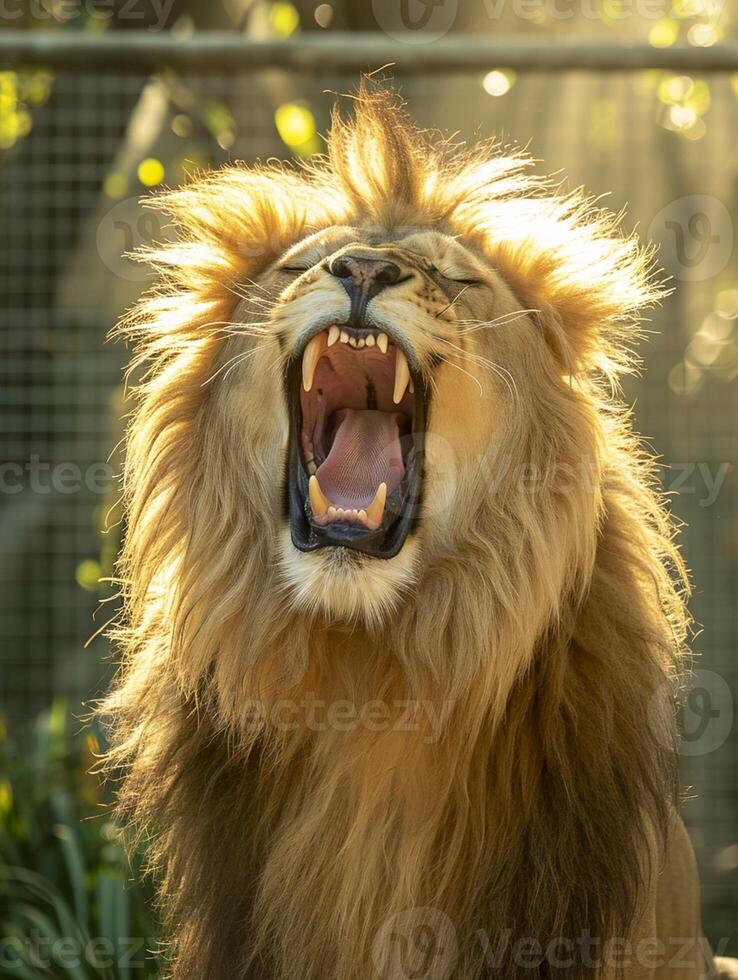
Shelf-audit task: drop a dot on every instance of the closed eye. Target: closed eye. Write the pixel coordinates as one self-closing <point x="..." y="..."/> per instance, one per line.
<point x="454" y="275"/>
<point x="463" y="282"/>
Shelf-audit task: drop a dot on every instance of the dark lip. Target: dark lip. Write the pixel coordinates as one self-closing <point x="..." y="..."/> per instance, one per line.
<point x="386" y="541"/>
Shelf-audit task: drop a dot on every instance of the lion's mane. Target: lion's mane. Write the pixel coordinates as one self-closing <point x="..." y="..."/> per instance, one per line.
<point x="545" y="639"/>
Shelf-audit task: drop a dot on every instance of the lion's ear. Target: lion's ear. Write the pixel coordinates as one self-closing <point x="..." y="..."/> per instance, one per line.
<point x="580" y="344"/>
<point x="588" y="283"/>
<point x="549" y="324"/>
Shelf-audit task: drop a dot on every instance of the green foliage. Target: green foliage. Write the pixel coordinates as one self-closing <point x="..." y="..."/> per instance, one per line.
<point x="69" y="907"/>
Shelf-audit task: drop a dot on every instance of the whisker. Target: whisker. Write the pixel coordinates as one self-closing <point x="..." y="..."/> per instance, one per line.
<point x="259" y="327"/>
<point x="255" y="328"/>
<point x="266" y="301"/>
<point x="499" y="321"/>
<point x="454" y="300"/>
<point x="467" y="373"/>
<point x="433" y="384"/>
<point x="502" y="373"/>
<point x="256" y="302"/>
<point x="255" y="285"/>
<point x="236" y="292"/>
<point x="231" y="363"/>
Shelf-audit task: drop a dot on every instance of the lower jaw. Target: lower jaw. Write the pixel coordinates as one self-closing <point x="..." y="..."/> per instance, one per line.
<point x="384" y="542"/>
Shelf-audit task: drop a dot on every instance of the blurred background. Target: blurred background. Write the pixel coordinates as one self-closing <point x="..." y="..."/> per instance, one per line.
<point x="84" y="136"/>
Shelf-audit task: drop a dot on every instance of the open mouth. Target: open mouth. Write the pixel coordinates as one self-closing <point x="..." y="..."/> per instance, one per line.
<point x="357" y="418"/>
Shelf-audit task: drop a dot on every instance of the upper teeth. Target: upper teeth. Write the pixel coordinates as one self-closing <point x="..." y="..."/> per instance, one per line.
<point x="311" y="357"/>
<point x="402" y="376"/>
<point x="317" y="345"/>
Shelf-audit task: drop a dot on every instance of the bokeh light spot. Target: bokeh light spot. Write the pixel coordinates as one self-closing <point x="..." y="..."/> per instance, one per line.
<point x="88" y="574"/>
<point x="181" y="125"/>
<point x="115" y="185"/>
<point x="498" y="82"/>
<point x="663" y="33"/>
<point x="685" y="379"/>
<point x="704" y="35"/>
<point x="151" y="172"/>
<point x="6" y="797"/>
<point x="717" y="326"/>
<point x="38" y="86"/>
<point x="727" y="303"/>
<point x="323" y="15"/>
<point x="284" y="19"/>
<point x="675" y="88"/>
<point x="296" y="126"/>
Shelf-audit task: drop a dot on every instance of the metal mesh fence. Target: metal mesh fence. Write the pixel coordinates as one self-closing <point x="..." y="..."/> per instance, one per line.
<point x="85" y="146"/>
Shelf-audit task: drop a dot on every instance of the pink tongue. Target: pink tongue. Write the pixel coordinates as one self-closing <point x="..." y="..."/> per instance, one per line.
<point x="366" y="451"/>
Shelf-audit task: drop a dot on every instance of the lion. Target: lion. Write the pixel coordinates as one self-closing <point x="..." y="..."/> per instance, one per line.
<point x="402" y="606"/>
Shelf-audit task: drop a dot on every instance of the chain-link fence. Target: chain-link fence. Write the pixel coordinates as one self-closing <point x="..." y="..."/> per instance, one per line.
<point x="81" y="144"/>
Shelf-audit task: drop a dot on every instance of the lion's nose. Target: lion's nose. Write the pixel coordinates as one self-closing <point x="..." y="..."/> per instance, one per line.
<point x="368" y="276"/>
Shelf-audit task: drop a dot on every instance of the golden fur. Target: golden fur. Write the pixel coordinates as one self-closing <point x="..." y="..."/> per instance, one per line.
<point x="519" y="770"/>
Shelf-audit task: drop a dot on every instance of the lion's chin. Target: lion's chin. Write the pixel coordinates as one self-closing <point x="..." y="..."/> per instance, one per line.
<point x="346" y="586"/>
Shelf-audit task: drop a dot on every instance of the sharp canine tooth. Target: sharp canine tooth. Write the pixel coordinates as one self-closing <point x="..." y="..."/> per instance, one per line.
<point x="310" y="359"/>
<point x="383" y="342"/>
<point x="333" y="335"/>
<point x="344" y="337"/>
<point x="318" y="500"/>
<point x="402" y="376"/>
<point x="375" y="510"/>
